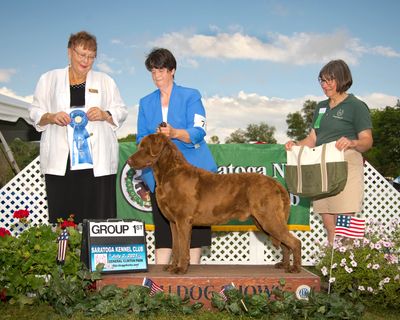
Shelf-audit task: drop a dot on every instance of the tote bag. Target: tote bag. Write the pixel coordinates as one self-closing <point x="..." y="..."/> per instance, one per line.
<point x="317" y="172"/>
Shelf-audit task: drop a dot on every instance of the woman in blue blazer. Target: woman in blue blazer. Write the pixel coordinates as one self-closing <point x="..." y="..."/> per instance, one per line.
<point x="183" y="112"/>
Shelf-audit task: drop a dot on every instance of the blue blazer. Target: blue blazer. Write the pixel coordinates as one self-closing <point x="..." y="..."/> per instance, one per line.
<point x="185" y="111"/>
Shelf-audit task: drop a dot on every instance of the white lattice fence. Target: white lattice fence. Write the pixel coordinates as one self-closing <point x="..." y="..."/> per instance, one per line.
<point x="381" y="202"/>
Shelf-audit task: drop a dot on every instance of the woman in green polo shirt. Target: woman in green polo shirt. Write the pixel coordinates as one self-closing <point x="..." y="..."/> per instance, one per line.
<point x="345" y="119"/>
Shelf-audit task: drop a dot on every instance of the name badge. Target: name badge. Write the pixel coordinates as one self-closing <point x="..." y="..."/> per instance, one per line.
<point x="93" y="90"/>
<point x="317" y="123"/>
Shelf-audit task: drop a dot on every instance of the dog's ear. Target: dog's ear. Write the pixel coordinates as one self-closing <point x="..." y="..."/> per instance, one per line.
<point x="157" y="143"/>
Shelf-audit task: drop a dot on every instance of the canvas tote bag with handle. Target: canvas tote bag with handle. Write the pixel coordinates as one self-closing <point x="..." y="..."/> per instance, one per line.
<point x="317" y="172"/>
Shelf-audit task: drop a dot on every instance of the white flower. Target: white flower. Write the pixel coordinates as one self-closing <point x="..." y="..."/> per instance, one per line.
<point x="372" y="246"/>
<point x="334" y="265"/>
<point x="331" y="280"/>
<point x="342" y="249"/>
<point x="369" y="265"/>
<point x="361" y="288"/>
<point x="353" y="263"/>
<point x="376" y="266"/>
<point x="387" y="244"/>
<point x="356" y="243"/>
<point x="393" y="259"/>
<point x="343" y="262"/>
<point x="370" y="289"/>
<point x="348" y="269"/>
<point x="397" y="277"/>
<point x="365" y="241"/>
<point x="378" y="246"/>
<point x="386" y="280"/>
<point x="324" y="271"/>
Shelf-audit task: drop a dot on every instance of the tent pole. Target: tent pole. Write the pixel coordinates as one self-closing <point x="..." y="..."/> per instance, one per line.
<point x="9" y="154"/>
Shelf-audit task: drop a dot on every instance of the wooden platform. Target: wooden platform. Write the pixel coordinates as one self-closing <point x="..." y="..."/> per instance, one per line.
<point x="202" y="280"/>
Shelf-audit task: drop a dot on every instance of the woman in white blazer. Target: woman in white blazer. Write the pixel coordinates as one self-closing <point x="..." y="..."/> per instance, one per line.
<point x="78" y="111"/>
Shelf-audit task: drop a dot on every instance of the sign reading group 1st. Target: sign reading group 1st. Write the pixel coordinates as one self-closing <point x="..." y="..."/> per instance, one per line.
<point x="119" y="245"/>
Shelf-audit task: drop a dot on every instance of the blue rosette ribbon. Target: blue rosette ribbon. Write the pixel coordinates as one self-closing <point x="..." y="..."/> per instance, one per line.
<point x="78" y="122"/>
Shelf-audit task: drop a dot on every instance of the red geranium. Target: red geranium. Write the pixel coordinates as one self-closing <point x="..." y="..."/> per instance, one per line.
<point x="67" y="223"/>
<point x="3" y="295"/>
<point x="20" y="214"/>
<point x="4" y="232"/>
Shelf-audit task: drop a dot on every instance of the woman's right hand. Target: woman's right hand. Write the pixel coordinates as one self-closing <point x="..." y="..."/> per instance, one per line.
<point x="59" y="118"/>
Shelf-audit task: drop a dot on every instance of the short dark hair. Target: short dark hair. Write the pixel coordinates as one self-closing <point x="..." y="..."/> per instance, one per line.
<point x="84" y="39"/>
<point x="338" y="70"/>
<point x="160" y="58"/>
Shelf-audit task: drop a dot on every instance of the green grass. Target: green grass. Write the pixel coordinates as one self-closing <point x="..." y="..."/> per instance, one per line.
<point x="44" y="312"/>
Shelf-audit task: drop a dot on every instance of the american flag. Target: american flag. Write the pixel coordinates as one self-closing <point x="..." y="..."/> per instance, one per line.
<point x="225" y="288"/>
<point x="351" y="227"/>
<point x="62" y="246"/>
<point x="154" y="287"/>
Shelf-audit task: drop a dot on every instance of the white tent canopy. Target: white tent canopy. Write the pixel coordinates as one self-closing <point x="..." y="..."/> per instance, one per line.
<point x="11" y="109"/>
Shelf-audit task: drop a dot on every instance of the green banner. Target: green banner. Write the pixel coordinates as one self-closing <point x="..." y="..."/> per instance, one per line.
<point x="133" y="199"/>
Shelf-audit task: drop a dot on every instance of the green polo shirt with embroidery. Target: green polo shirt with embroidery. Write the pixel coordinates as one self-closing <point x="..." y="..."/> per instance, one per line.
<point x="347" y="119"/>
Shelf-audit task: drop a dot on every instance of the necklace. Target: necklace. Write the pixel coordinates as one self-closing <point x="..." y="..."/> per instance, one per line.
<point x="75" y="80"/>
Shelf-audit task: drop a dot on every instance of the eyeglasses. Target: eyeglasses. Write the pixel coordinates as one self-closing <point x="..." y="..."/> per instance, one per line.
<point x="326" y="81"/>
<point x="84" y="56"/>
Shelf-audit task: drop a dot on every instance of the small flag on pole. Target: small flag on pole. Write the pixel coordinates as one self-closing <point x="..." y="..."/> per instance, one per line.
<point x="154" y="287"/>
<point x="225" y="288"/>
<point x="229" y="287"/>
<point x="349" y="226"/>
<point x="62" y="246"/>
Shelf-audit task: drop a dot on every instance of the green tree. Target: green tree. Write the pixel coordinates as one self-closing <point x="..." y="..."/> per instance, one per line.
<point x="299" y="122"/>
<point x="128" y="138"/>
<point x="214" y="140"/>
<point x="254" y="132"/>
<point x="237" y="136"/>
<point x="24" y="153"/>
<point x="384" y="156"/>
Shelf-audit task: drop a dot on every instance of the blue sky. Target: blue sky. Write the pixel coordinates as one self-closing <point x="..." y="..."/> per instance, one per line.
<point x="252" y="61"/>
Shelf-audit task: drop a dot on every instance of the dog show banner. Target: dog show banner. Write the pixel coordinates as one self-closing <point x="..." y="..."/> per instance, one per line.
<point x="133" y="199"/>
<point x="120" y="245"/>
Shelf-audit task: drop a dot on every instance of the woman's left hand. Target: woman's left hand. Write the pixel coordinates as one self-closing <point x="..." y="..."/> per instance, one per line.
<point x="97" y="114"/>
<point x="168" y="131"/>
<point x="344" y="144"/>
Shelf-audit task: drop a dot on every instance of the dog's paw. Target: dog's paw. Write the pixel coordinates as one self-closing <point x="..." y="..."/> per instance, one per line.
<point x="294" y="269"/>
<point x="281" y="265"/>
<point x="168" y="267"/>
<point x="178" y="270"/>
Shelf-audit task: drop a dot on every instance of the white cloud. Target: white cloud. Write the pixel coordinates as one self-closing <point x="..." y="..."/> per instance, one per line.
<point x="8" y="92"/>
<point x="299" y="48"/>
<point x="5" y="74"/>
<point x="116" y="41"/>
<point x="227" y="114"/>
<point x="104" y="67"/>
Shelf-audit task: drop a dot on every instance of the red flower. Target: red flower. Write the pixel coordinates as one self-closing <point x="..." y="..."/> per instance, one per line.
<point x="20" y="214"/>
<point x="4" y="232"/>
<point x="67" y="223"/>
<point x="3" y="295"/>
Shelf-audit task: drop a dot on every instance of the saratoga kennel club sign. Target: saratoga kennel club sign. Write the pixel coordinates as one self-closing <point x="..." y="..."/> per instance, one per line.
<point x="133" y="200"/>
<point x="119" y="245"/>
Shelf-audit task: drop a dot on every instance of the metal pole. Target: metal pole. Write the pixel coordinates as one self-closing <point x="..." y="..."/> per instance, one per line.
<point x="9" y="154"/>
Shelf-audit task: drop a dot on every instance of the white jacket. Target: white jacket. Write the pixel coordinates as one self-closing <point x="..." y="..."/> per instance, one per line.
<point x="53" y="95"/>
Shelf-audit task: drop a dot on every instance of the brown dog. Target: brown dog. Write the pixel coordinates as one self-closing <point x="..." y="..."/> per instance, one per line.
<point x="190" y="196"/>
